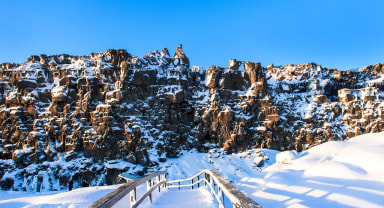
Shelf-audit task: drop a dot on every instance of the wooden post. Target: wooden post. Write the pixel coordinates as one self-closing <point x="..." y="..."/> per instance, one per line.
<point x="223" y="198"/>
<point x="192" y="183"/>
<point x="148" y="188"/>
<point x="212" y="184"/>
<point x="198" y="183"/>
<point x="206" y="178"/>
<point x="178" y="185"/>
<point x="158" y="180"/>
<point x="165" y="178"/>
<point x="220" y="194"/>
<point x="132" y="196"/>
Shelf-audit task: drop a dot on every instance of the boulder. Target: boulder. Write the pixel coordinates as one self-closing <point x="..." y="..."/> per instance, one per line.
<point x="258" y="161"/>
<point x="320" y="99"/>
<point x="27" y="83"/>
<point x="273" y="117"/>
<point x="59" y="94"/>
<point x="131" y="158"/>
<point x="234" y="64"/>
<point x="212" y="76"/>
<point x="232" y="80"/>
<point x="225" y="116"/>
<point x="253" y="71"/>
<point x="345" y="95"/>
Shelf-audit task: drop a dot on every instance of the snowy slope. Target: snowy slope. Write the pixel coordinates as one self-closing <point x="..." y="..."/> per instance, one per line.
<point x="334" y="174"/>
<point x="81" y="197"/>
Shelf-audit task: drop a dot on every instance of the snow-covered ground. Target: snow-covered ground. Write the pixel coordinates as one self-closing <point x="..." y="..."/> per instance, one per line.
<point x="200" y="198"/>
<point x="333" y="174"/>
<point x="81" y="197"/>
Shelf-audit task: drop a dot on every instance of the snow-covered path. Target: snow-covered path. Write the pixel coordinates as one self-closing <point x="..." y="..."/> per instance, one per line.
<point x="200" y="198"/>
<point x="83" y="197"/>
<point x="173" y="198"/>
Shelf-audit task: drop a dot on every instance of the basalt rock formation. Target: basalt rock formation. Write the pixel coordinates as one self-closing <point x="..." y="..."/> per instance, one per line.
<point x="74" y="117"/>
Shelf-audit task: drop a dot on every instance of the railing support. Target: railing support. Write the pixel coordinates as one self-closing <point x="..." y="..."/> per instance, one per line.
<point x="149" y="184"/>
<point x="218" y="187"/>
<point x="220" y="195"/>
<point x="132" y="196"/>
<point x="212" y="184"/>
<point x="192" y="183"/>
<point x="130" y="188"/>
<point x="211" y="179"/>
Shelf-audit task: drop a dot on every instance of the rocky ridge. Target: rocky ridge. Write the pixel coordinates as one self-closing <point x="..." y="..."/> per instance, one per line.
<point x="73" y="117"/>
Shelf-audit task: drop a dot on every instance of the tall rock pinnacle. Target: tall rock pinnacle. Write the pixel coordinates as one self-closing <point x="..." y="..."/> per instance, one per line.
<point x="180" y="58"/>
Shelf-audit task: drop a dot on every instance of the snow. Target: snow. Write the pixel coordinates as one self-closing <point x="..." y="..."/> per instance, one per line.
<point x="332" y="174"/>
<point x="232" y="167"/>
<point x="285" y="87"/>
<point x="58" y="91"/>
<point x="285" y="157"/>
<point x="378" y="80"/>
<point x="258" y="161"/>
<point x="202" y="96"/>
<point x="201" y="198"/>
<point x="81" y="197"/>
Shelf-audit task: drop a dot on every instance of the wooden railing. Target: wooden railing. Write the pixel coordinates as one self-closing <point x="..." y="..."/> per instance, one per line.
<point x="130" y="188"/>
<point x="219" y="188"/>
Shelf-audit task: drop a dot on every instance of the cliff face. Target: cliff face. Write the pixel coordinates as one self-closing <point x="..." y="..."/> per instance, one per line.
<point x="73" y="117"/>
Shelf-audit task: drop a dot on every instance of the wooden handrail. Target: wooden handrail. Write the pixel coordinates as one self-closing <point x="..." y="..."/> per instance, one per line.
<point x="147" y="194"/>
<point x="187" y="179"/>
<point x="112" y="198"/>
<point x="212" y="178"/>
<point x="187" y="185"/>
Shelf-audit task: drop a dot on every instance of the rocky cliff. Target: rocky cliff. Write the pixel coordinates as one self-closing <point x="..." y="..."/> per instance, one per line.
<point x="68" y="117"/>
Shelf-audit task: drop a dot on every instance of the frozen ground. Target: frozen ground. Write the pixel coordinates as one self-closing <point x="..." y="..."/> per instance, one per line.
<point x="333" y="174"/>
<point x="81" y="197"/>
<point x="200" y="198"/>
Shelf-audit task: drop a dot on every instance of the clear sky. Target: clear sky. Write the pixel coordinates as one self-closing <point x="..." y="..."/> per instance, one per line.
<point x="341" y="34"/>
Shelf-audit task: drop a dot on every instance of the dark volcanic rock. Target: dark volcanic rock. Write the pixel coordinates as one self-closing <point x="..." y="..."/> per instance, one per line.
<point x="110" y="112"/>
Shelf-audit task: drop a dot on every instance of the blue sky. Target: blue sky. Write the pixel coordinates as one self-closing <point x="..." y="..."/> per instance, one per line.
<point x="341" y="34"/>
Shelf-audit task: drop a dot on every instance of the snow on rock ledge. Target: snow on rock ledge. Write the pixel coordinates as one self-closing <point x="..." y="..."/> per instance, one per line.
<point x="285" y="157"/>
<point x="114" y="106"/>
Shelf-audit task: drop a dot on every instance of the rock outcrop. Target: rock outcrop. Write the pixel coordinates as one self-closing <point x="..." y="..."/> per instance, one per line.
<point x="112" y="112"/>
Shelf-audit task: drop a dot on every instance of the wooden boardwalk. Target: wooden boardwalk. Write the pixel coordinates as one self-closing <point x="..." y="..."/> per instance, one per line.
<point x="223" y="192"/>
